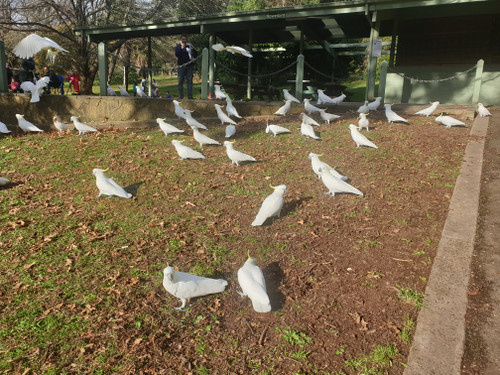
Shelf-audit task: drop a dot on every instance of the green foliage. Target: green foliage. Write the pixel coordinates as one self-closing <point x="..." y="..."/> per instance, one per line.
<point x="296" y="338"/>
<point x="377" y="362"/>
<point x="410" y="295"/>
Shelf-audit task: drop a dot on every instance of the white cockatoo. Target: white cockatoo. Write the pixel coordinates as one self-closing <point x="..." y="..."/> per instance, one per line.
<point x="35" y="89"/>
<point x="140" y="92"/>
<point x="233" y="49"/>
<point x="482" y="110"/>
<point x="359" y="138"/>
<point x="222" y="116"/>
<point x="230" y="109"/>
<point x="449" y="121"/>
<point x="308" y="120"/>
<point x="32" y="44"/>
<point x="276" y="129"/>
<point x="336" y="185"/>
<point x="339" y="99"/>
<point x="230" y="131"/>
<point x="202" y="139"/>
<point x="3" y="128"/>
<point x="310" y="108"/>
<point x="327" y="117"/>
<point x="429" y="110"/>
<point x="323" y="98"/>
<point x="110" y="91"/>
<point x="283" y="110"/>
<point x="363" y="122"/>
<point x="393" y="116"/>
<point x="288" y="96"/>
<point x="219" y="94"/>
<point x="60" y="126"/>
<point x="271" y="206"/>
<point x="25" y="125"/>
<point x="4" y="181"/>
<point x="123" y="92"/>
<point x="253" y="285"/>
<point x="186" y="286"/>
<point x="81" y="127"/>
<point x="186" y="152"/>
<point x="363" y="108"/>
<point x="316" y="163"/>
<point x="373" y="106"/>
<point x="167" y="128"/>
<point x="307" y="131"/>
<point x="193" y="122"/>
<point x="236" y="156"/>
<point x="179" y="111"/>
<point x="107" y="186"/>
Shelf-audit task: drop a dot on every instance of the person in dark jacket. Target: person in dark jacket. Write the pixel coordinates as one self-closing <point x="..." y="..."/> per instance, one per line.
<point x="186" y="55"/>
<point x="54" y="81"/>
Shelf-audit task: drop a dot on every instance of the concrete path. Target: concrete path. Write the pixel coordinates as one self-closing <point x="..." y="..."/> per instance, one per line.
<point x="438" y="343"/>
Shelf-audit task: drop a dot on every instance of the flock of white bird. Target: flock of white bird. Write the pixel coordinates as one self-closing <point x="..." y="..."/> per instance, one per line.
<point x="250" y="277"/>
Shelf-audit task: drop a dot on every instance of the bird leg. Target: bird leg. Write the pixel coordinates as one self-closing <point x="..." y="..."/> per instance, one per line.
<point x="183" y="300"/>
<point x="242" y="294"/>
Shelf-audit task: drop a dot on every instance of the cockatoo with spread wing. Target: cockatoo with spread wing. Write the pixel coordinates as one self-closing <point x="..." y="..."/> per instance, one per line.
<point x="308" y="120"/>
<point x="202" y="139"/>
<point x="276" y="129"/>
<point x="230" y="109"/>
<point x="373" y="106"/>
<point x="364" y="108"/>
<point x="222" y="116"/>
<point x="186" y="152"/>
<point x="230" y="131"/>
<point x="310" y="108"/>
<point x="336" y="185"/>
<point x="271" y="206"/>
<point x="4" y="181"/>
<point x="32" y="44"/>
<point x="219" y="94"/>
<point x="186" y="286"/>
<point x="316" y="164"/>
<point x="339" y="99"/>
<point x="307" y="131"/>
<point x="110" y="91"/>
<point x="359" y="138"/>
<point x="25" y="125"/>
<point x="35" y="89"/>
<point x="393" y="116"/>
<point x="283" y="110"/>
<point x="429" y="110"/>
<point x="179" y="111"/>
<point x="233" y="49"/>
<point x="167" y="128"/>
<point x="449" y="121"/>
<point x="327" y="117"/>
<point x="3" y="128"/>
<point x="482" y="110"/>
<point x="236" y="156"/>
<point x="107" y="186"/>
<point x="60" y="126"/>
<point x="193" y="122"/>
<point x="81" y="127"/>
<point x="288" y="96"/>
<point x="123" y="92"/>
<point x="363" y="122"/>
<point x="323" y="98"/>
<point x="140" y="92"/>
<point x="253" y="285"/>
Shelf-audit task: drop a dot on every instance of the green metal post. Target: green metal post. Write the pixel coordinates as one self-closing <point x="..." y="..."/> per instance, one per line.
<point x="204" y="73"/>
<point x="3" y="71"/>
<point x="211" y="66"/>
<point x="150" y="69"/>
<point x="383" y="79"/>
<point x="299" y="77"/>
<point x="372" y="61"/>
<point x="478" y="80"/>
<point x="392" y="56"/>
<point x="102" y="58"/>
<point x="249" y="66"/>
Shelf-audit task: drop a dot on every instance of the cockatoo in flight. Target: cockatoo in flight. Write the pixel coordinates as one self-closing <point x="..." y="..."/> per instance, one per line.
<point x="233" y="49"/>
<point x="32" y="44"/>
<point x="35" y="89"/>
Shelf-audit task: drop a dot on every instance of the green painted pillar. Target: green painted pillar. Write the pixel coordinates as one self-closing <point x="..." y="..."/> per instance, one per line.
<point x="394" y="40"/>
<point x="478" y="80"/>
<point x="102" y="59"/>
<point x="150" y="69"/>
<point x="372" y="61"/>
<point x="249" y="65"/>
<point x="211" y="66"/>
<point x="3" y="71"/>
<point x="383" y="79"/>
<point x="299" y="77"/>
<point x="204" y="73"/>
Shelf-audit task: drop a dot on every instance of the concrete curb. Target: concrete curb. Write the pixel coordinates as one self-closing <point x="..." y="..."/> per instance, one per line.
<point x="438" y="343"/>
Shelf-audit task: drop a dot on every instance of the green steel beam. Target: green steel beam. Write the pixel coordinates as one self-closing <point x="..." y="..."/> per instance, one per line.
<point x="102" y="58"/>
<point x="3" y="70"/>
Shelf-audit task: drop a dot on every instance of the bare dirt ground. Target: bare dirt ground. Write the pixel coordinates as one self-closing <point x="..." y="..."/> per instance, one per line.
<point x="344" y="274"/>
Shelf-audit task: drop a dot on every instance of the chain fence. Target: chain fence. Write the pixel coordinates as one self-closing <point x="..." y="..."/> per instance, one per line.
<point x="254" y="75"/>
<point x="454" y="76"/>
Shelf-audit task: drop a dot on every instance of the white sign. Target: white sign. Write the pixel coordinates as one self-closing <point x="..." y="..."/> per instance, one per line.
<point x="377" y="48"/>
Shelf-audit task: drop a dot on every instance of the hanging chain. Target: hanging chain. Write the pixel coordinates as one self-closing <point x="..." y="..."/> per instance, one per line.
<point x="437" y="80"/>
<point x="255" y="75"/>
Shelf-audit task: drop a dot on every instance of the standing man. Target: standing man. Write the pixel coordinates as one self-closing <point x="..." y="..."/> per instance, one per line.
<point x="186" y="55"/>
